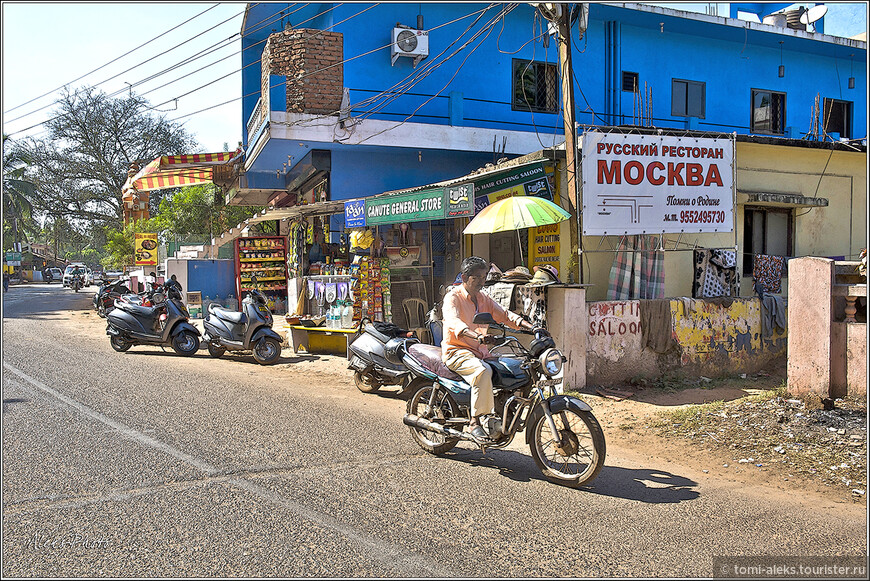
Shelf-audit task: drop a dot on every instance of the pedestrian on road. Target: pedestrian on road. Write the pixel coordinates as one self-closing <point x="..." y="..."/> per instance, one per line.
<point x="5" y="281"/>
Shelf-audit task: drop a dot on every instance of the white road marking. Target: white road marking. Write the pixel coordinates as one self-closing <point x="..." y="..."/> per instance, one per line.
<point x="410" y="564"/>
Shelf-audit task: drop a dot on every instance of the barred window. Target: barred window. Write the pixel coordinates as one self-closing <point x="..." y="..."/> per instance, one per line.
<point x="768" y="112"/>
<point x="534" y="86"/>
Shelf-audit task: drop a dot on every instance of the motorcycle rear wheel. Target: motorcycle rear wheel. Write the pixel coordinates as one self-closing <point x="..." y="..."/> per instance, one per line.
<point x="581" y="457"/>
<point x="267" y="351"/>
<point x="185" y="343"/>
<point x="445" y="407"/>
<point x="365" y="383"/>
<point x="119" y="344"/>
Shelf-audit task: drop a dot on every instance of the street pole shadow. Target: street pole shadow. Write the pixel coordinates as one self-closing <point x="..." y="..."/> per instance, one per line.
<point x="640" y="484"/>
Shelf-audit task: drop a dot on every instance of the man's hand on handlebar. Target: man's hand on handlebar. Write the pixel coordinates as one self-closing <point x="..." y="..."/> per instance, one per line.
<point x="488" y="339"/>
<point x="540" y="331"/>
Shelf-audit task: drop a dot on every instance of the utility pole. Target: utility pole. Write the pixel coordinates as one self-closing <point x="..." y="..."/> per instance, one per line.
<point x="560" y="15"/>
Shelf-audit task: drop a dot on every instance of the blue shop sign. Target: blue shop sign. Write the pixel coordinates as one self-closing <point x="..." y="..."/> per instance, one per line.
<point x="355" y="214"/>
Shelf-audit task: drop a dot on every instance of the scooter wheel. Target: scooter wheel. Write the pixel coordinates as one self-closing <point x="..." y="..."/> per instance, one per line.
<point x="118" y="344"/>
<point x="215" y="350"/>
<point x="185" y="343"/>
<point x="266" y="351"/>
<point x="365" y="383"/>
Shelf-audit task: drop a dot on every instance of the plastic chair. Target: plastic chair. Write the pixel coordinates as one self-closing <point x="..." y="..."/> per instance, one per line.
<point x="415" y="318"/>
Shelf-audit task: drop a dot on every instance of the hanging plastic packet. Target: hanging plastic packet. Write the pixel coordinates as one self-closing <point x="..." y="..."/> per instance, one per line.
<point x="310" y="289"/>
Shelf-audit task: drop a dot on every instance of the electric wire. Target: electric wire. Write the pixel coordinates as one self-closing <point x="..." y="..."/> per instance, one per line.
<point x="111" y="61"/>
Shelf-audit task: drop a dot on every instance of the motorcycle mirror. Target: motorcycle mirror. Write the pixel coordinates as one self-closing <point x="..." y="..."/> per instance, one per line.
<point x="484" y="319"/>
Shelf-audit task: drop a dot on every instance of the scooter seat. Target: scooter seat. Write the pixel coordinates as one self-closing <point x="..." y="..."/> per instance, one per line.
<point x="230" y="316"/>
<point x="138" y="310"/>
<point x="430" y="357"/>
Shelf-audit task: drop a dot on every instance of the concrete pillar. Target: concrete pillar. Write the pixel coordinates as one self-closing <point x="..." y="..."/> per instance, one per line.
<point x="810" y="311"/>
<point x="567" y="322"/>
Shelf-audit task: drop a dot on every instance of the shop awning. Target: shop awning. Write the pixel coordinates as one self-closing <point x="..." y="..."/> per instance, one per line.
<point x="303" y="211"/>
<point x="175" y="171"/>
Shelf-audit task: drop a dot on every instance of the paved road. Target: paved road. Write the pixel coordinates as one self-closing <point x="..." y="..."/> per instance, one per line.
<point x="147" y="464"/>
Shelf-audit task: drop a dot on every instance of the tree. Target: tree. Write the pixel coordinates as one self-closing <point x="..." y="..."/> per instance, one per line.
<point x="18" y="196"/>
<point x="81" y="166"/>
<point x="194" y="214"/>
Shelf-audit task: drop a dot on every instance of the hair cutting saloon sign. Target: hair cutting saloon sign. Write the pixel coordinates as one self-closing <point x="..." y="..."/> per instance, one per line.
<point x="650" y="184"/>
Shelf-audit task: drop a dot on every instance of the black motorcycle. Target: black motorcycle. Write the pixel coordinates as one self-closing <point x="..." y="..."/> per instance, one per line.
<point x="248" y="330"/>
<point x="565" y="439"/>
<point x="159" y="318"/>
<point x="107" y="294"/>
<point x="368" y="360"/>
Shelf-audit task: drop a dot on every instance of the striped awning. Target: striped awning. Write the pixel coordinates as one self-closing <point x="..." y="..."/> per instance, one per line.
<point x="175" y="171"/>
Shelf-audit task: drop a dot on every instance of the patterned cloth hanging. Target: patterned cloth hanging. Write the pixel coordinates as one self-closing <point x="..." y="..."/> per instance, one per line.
<point x="711" y="278"/>
<point x="767" y="272"/>
<point x="637" y="274"/>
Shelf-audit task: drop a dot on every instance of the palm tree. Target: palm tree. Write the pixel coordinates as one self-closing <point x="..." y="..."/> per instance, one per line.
<point x="17" y="195"/>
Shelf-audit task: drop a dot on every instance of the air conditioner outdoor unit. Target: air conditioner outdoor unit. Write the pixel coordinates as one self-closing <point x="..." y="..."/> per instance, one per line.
<point x="411" y="43"/>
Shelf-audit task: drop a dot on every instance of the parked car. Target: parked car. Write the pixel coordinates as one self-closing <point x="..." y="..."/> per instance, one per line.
<point x="56" y="274"/>
<point x="67" y="274"/>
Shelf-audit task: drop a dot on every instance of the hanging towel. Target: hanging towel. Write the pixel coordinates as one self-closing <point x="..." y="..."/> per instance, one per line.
<point x="772" y="315"/>
<point x="656" y="325"/>
<point x="637" y="274"/>
<point x="767" y="272"/>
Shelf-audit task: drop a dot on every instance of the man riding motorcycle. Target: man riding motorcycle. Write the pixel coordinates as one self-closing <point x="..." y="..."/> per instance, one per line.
<point x="463" y="347"/>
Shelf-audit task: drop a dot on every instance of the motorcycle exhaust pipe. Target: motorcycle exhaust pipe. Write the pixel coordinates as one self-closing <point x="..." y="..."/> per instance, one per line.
<point x="423" y="424"/>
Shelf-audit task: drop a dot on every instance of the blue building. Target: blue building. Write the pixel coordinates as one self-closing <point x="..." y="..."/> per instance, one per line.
<point x="347" y="101"/>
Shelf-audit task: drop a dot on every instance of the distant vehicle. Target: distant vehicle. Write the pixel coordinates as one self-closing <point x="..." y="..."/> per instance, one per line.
<point x="113" y="274"/>
<point x="67" y="274"/>
<point x="56" y="274"/>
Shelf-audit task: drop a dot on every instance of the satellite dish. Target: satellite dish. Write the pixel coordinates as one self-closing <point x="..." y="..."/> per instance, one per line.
<point x="813" y="14"/>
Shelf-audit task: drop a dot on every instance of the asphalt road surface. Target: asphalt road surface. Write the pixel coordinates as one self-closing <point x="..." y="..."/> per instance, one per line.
<point x="149" y="464"/>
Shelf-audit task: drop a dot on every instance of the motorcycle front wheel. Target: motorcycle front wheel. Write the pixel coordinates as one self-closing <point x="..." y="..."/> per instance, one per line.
<point x="267" y="351"/>
<point x="577" y="456"/>
<point x="215" y="350"/>
<point x="444" y="407"/>
<point x="185" y="343"/>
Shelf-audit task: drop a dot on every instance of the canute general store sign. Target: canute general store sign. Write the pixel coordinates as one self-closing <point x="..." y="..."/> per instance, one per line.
<point x="650" y="184"/>
<point x="432" y="204"/>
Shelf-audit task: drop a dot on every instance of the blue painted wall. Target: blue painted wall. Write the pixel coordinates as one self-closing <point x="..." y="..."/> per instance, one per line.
<point x="658" y="45"/>
<point x="211" y="277"/>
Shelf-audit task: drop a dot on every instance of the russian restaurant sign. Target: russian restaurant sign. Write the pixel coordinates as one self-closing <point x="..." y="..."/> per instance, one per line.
<point x="650" y="184"/>
<point x="434" y="204"/>
<point x="145" y="249"/>
<point x="527" y="180"/>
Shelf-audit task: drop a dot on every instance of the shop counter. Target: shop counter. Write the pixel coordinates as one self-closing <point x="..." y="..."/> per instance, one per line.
<point x="321" y="339"/>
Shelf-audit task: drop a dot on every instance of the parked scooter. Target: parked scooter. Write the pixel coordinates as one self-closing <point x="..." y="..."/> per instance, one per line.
<point x="367" y="357"/>
<point x="160" y="319"/>
<point x="565" y="439"/>
<point x="248" y="330"/>
<point x="108" y="293"/>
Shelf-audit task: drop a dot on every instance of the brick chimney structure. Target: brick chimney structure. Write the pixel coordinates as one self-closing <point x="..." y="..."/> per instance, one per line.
<point x="312" y="62"/>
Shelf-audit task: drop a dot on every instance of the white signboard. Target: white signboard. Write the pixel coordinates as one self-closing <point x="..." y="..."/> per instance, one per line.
<point x="651" y="184"/>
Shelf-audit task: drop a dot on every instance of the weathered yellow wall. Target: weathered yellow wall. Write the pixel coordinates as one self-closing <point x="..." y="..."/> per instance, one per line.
<point x="840" y="229"/>
<point x="712" y="340"/>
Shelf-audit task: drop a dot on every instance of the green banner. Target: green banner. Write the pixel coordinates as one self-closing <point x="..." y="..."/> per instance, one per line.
<point x="411" y="207"/>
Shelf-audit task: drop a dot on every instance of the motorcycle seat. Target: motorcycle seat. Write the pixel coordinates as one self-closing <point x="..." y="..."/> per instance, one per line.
<point x="430" y="357"/>
<point x="230" y="316"/>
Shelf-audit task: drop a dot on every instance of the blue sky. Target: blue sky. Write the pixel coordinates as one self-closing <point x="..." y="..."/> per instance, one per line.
<point x="48" y="45"/>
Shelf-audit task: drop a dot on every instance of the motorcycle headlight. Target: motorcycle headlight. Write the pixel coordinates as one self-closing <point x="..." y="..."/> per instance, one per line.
<point x="551" y="362"/>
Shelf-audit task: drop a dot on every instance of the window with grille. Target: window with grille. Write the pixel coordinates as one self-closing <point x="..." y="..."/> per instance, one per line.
<point x="766" y="231"/>
<point x="688" y="98"/>
<point x="838" y="117"/>
<point x="534" y="86"/>
<point x="630" y="82"/>
<point x="768" y="112"/>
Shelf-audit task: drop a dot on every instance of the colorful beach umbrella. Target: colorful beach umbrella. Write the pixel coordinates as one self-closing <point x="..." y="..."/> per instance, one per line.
<point x="516" y="213"/>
